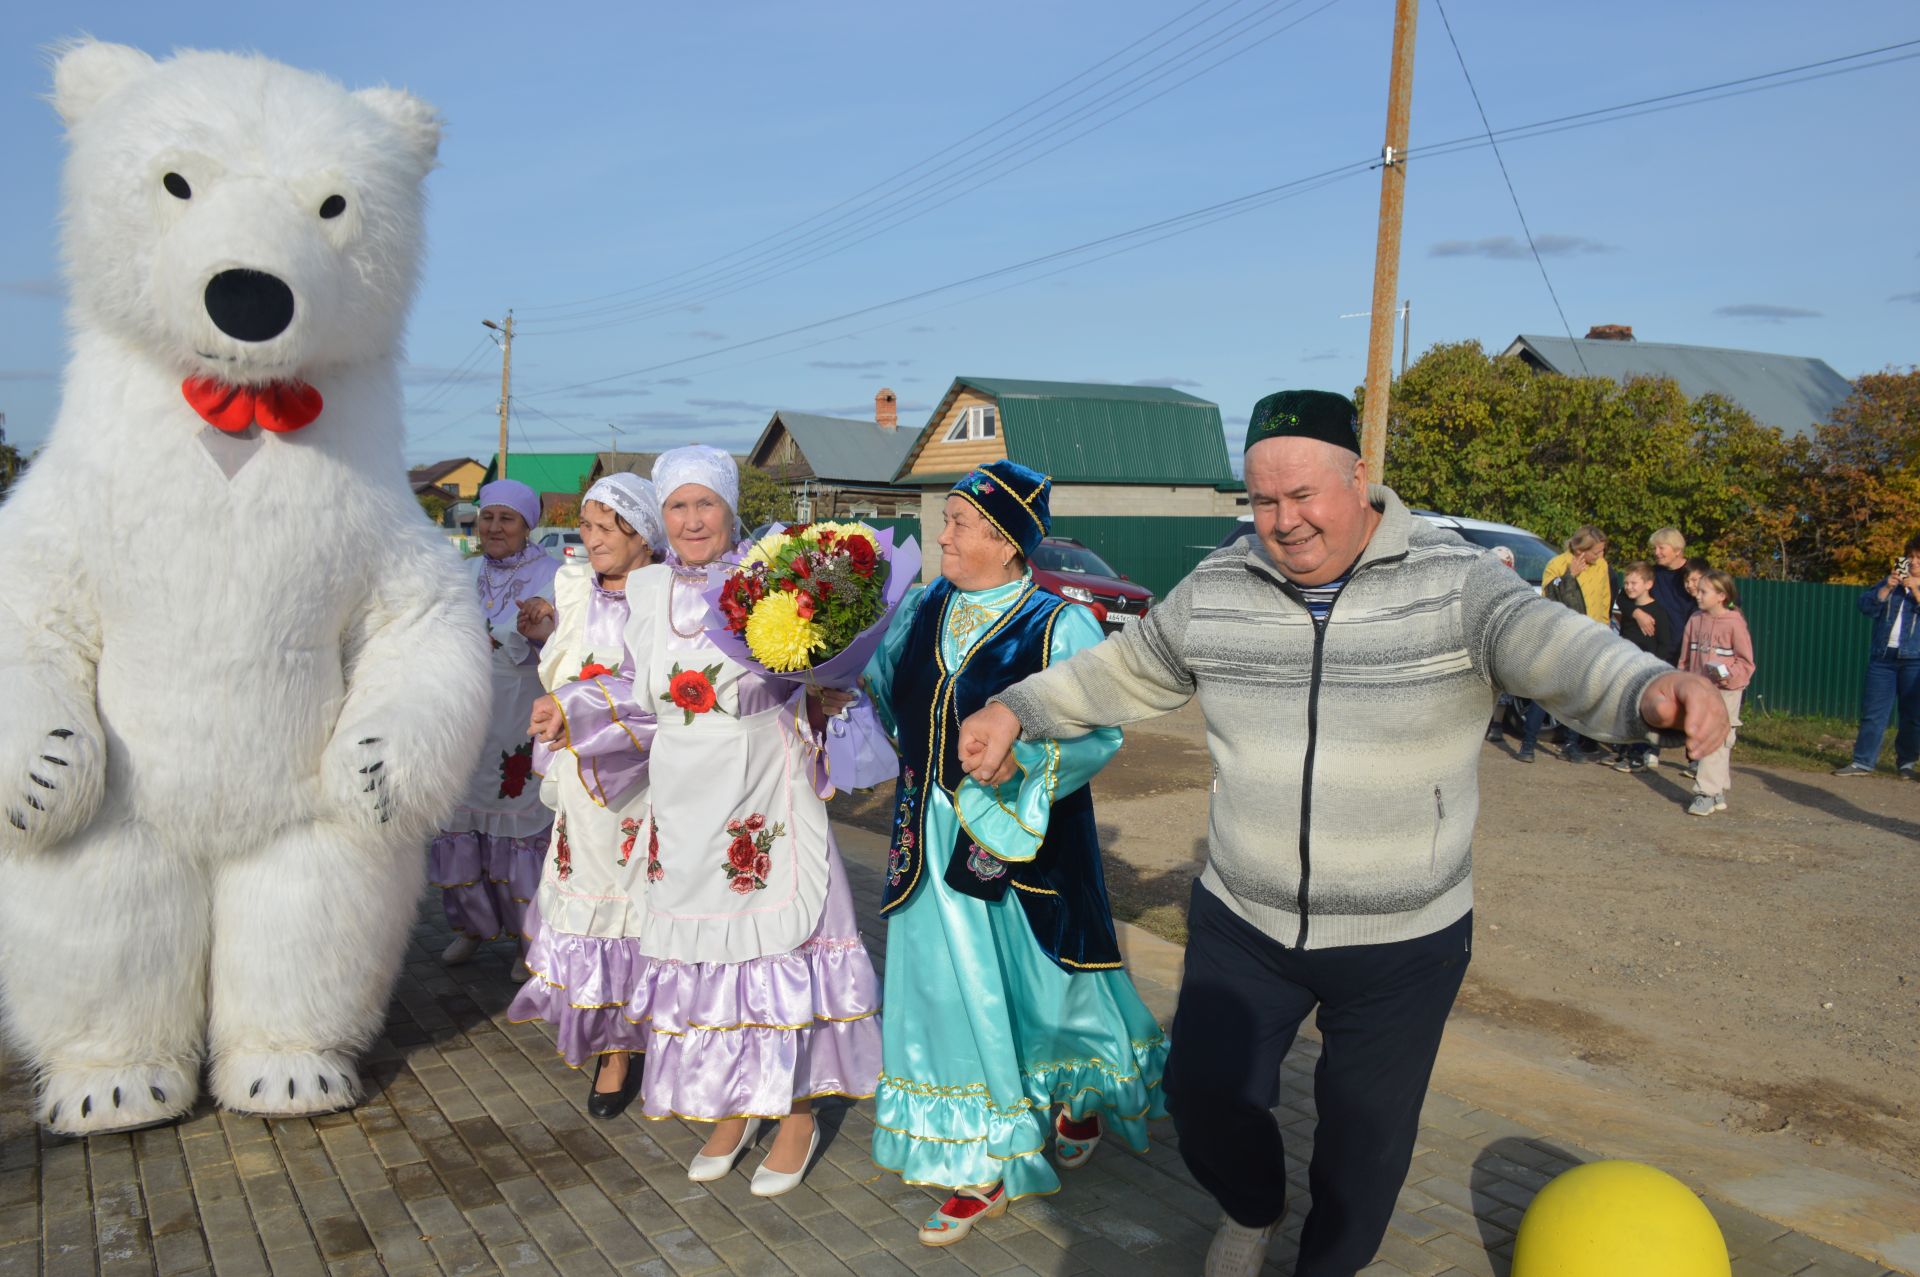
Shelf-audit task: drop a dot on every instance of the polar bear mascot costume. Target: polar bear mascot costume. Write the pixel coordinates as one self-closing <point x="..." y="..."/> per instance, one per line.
<point x="241" y="677"/>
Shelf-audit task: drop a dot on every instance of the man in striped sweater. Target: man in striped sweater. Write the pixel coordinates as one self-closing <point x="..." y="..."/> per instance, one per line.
<point x="1346" y="659"/>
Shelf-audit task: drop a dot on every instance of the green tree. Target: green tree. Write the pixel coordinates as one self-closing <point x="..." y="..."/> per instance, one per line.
<point x="763" y="499"/>
<point x="1861" y="498"/>
<point x="11" y="463"/>
<point x="1493" y="438"/>
<point x="434" y="506"/>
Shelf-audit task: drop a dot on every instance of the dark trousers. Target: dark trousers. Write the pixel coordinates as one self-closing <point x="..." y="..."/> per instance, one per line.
<point x="1381" y="1010"/>
<point x="1535" y="718"/>
<point x="1891" y="684"/>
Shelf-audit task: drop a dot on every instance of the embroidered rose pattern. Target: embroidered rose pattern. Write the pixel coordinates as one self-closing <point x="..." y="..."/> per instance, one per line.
<point x="655" y="870"/>
<point x="900" y="855"/>
<point x="629" y="834"/>
<point x="984" y="866"/>
<point x="562" y="852"/>
<point x="750" y="853"/>
<point x="594" y="669"/>
<point x="515" y="766"/>
<point x="693" y="691"/>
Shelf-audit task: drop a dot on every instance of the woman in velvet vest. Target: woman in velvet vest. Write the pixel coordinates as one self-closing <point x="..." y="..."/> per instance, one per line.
<point x="1008" y="1011"/>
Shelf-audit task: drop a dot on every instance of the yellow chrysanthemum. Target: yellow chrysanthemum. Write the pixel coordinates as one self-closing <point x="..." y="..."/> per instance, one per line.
<point x="771" y="548"/>
<point x="777" y="636"/>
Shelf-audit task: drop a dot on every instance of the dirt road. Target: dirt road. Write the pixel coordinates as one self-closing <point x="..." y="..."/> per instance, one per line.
<point x="1762" y="964"/>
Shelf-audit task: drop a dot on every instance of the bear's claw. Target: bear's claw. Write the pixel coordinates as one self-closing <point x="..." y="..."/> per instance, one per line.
<point x="315" y="1082"/>
<point x="139" y="1094"/>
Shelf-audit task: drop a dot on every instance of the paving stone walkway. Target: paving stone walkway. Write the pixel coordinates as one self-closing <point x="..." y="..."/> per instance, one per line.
<point x="475" y="1155"/>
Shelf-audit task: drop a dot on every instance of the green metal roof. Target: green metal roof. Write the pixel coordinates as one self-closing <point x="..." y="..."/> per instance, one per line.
<point x="546" y="471"/>
<point x="1086" y="432"/>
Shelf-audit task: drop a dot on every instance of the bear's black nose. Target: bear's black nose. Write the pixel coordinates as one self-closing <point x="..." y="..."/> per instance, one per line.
<point x="249" y="305"/>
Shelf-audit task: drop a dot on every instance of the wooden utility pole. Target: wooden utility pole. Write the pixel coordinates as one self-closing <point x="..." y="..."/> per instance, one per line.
<point x="1386" y="255"/>
<point x="506" y="382"/>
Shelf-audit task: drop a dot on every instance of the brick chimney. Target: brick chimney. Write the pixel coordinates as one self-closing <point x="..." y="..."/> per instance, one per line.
<point x="1610" y="332"/>
<point x="886" y="411"/>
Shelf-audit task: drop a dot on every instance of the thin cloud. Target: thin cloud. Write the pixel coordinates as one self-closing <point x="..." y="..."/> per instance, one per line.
<point x="1505" y="248"/>
<point x="1321" y="356"/>
<point x="674" y="381"/>
<point x="1168" y="382"/>
<point x="848" y="365"/>
<point x="609" y="392"/>
<point x="1906" y="297"/>
<point x="45" y="288"/>
<point x="923" y="328"/>
<point x="707" y="334"/>
<point x="1766" y="311"/>
<point x="730" y="405"/>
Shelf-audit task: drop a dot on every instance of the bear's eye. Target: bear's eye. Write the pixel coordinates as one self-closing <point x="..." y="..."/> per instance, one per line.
<point x="333" y="206"/>
<point x="177" y="186"/>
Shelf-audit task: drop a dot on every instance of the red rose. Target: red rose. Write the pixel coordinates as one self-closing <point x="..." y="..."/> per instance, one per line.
<point x="741" y="885"/>
<point x="756" y="822"/>
<point x="861" y="554"/>
<point x="804" y="606"/>
<point x="740" y="853"/>
<point x="692" y="691"/>
<point x="593" y="669"/>
<point x="762" y="866"/>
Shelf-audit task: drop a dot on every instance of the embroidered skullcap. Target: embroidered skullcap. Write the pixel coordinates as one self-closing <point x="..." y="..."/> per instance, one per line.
<point x="631" y="497"/>
<point x="1013" y="498"/>
<point x="515" y="496"/>
<point x="1306" y="414"/>
<point x="698" y="463"/>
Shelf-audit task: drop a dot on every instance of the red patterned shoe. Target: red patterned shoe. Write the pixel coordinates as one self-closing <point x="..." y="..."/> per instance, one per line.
<point x="956" y="1216"/>
<point x="1074" y="1142"/>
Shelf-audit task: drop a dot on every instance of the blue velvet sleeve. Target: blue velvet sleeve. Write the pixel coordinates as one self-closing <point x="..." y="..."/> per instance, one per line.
<point x="878" y="678"/>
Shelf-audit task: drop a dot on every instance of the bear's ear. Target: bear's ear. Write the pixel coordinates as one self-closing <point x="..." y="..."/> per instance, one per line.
<point x="418" y="123"/>
<point x="86" y="70"/>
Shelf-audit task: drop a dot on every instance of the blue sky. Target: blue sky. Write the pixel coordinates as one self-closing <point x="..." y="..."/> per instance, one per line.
<point x="592" y="149"/>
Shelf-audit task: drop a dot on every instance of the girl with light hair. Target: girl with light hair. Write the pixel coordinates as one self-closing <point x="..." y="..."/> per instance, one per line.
<point x="486" y="860"/>
<point x="755" y="988"/>
<point x="593" y="734"/>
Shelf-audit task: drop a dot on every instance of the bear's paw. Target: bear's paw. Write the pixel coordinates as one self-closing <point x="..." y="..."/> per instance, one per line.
<point x="285" y="1083"/>
<point x="52" y="770"/>
<point x="99" y="1101"/>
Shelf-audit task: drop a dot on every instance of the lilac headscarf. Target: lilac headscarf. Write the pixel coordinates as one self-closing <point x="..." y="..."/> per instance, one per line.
<point x="515" y="496"/>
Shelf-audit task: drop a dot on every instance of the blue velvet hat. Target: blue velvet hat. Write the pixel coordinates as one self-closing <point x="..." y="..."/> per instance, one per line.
<point x="1013" y="499"/>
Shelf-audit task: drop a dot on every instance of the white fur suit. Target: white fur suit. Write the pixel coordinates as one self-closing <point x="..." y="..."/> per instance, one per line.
<point x="241" y="677"/>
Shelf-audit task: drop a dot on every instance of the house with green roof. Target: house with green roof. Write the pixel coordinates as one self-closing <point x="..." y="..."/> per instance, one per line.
<point x="544" y="472"/>
<point x="1140" y="473"/>
<point x="838" y="467"/>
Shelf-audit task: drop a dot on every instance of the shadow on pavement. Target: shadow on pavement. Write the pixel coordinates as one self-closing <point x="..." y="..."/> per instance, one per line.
<point x="1813" y="796"/>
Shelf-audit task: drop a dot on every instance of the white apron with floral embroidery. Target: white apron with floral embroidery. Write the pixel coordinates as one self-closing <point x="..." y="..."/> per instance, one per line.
<point x="735" y="834"/>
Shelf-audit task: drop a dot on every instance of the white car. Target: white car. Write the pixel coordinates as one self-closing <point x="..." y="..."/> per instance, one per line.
<point x="1530" y="553"/>
<point x="562" y="543"/>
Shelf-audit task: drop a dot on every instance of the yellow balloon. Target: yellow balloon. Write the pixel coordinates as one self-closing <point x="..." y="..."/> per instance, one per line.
<point x="1618" y="1219"/>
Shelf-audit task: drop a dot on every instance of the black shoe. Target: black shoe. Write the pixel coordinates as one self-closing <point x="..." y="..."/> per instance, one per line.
<point x="1495" y="735"/>
<point x="605" y="1104"/>
<point x="1526" y="754"/>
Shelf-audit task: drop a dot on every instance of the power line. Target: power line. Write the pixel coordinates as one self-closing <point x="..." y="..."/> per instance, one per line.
<point x="911" y="168"/>
<point x="1508" y="179"/>
<point x="914" y="202"/>
<point x="439" y="388"/>
<point x="1205" y="215"/>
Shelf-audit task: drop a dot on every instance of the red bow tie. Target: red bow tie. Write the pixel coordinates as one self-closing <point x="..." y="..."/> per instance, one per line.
<point x="279" y="407"/>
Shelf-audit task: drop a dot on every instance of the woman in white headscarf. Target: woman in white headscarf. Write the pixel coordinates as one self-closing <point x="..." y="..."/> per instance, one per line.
<point x="486" y="861"/>
<point x="757" y="992"/>
<point x="593" y="736"/>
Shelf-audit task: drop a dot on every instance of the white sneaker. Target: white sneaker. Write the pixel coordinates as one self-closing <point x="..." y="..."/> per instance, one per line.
<point x="704" y="1167"/>
<point x="1702" y="805"/>
<point x="771" y="1183"/>
<point x="1238" y="1251"/>
<point x="461" y="950"/>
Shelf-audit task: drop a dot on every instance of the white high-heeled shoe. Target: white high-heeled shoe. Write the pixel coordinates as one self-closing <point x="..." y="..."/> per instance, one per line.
<point x="772" y="1183"/>
<point x="704" y="1167"/>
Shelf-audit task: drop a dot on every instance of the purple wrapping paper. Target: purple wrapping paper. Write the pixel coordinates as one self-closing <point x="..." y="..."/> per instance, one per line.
<point x="842" y="671"/>
<point x="859" y="753"/>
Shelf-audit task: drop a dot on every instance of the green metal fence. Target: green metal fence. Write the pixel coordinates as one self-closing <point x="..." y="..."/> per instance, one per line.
<point x="1157" y="552"/>
<point x="1809" y="647"/>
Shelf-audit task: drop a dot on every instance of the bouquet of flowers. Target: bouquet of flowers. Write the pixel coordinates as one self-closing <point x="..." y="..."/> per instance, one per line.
<point x="810" y="603"/>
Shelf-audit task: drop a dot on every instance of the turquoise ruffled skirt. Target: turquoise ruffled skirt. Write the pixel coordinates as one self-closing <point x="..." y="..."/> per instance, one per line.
<point x="984" y="1036"/>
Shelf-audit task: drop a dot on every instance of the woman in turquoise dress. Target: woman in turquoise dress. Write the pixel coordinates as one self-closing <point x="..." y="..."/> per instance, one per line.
<point x="1010" y="1021"/>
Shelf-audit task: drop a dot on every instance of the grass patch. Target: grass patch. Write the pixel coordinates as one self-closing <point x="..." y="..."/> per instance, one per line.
<point x="1802" y="742"/>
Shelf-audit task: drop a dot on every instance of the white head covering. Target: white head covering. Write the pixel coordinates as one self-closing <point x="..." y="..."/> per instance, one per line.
<point x="515" y="496"/>
<point x="632" y="498"/>
<point x="702" y="464"/>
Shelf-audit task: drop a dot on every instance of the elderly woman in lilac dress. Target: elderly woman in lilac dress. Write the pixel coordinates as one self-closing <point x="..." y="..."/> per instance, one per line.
<point x="756" y="989"/>
<point x="593" y="735"/>
<point x="486" y="861"/>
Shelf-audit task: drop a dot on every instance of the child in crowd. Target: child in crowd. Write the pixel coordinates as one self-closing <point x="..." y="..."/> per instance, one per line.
<point x="1717" y="646"/>
<point x="1656" y="634"/>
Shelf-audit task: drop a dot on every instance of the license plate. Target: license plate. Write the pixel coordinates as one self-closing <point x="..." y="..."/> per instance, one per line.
<point x="1121" y="618"/>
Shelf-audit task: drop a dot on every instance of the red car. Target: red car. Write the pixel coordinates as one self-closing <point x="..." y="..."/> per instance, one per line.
<point x="1072" y="571"/>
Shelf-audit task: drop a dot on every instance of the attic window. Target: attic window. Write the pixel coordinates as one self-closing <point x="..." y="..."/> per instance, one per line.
<point x="978" y="422"/>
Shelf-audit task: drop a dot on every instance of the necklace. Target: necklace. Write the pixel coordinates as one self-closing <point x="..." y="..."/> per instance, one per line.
<point x="672" y="589"/>
<point x="493" y="592"/>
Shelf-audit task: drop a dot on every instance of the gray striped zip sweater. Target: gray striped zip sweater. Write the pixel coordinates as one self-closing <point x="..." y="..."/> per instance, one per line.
<point x="1346" y="755"/>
